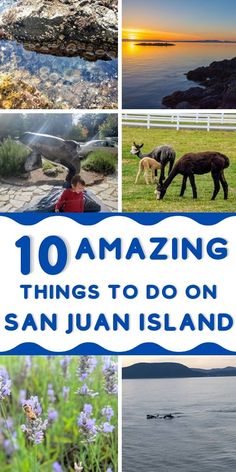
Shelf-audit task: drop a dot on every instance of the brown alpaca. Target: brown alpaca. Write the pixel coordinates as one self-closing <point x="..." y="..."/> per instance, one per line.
<point x="145" y="165"/>
<point x="198" y="163"/>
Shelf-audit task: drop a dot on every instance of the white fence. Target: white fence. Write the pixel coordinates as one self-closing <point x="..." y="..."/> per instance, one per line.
<point x="208" y="121"/>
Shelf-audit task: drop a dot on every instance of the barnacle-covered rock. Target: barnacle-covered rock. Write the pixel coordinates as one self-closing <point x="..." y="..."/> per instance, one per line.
<point x="16" y="93"/>
<point x="64" y="27"/>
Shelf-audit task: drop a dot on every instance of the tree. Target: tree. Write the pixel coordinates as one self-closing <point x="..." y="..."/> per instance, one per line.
<point x="109" y="127"/>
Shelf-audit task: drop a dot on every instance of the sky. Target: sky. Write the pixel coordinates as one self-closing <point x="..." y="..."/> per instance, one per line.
<point x="202" y="362"/>
<point x="179" y="19"/>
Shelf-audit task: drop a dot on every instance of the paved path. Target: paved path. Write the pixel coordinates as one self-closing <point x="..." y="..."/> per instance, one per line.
<point x="14" y="197"/>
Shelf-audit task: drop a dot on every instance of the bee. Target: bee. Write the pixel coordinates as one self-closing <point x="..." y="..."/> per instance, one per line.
<point x="29" y="412"/>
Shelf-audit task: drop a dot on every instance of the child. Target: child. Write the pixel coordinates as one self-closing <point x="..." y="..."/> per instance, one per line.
<point x="72" y="199"/>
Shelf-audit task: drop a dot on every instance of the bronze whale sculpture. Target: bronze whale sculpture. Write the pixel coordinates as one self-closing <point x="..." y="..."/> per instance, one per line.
<point x="55" y="149"/>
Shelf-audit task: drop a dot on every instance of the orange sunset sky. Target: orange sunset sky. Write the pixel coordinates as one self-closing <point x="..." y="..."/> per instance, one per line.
<point x="179" y="19"/>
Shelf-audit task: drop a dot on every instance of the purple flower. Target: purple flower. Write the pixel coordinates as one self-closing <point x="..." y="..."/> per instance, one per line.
<point x="88" y="409"/>
<point x="52" y="415"/>
<point x="110" y="375"/>
<point x="87" y="365"/>
<point x="84" y="390"/>
<point x="33" y="403"/>
<point x="51" y="394"/>
<point x="107" y="427"/>
<point x="65" y="362"/>
<point x="34" y="430"/>
<point x="5" y="383"/>
<point x="87" y="424"/>
<point x="87" y="427"/>
<point x="109" y="469"/>
<point x="56" y="467"/>
<point x="6" y="428"/>
<point x="10" y="445"/>
<point x="35" y="427"/>
<point x="22" y="397"/>
<point x="28" y="363"/>
<point x="108" y="412"/>
<point x="39" y="436"/>
<point x="65" y="393"/>
<point x="9" y="423"/>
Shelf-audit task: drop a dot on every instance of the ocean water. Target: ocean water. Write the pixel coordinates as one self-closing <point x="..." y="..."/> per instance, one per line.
<point x="201" y="439"/>
<point x="150" y="73"/>
<point x="69" y="82"/>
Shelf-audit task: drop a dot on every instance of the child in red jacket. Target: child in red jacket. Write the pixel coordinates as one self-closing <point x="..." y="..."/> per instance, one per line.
<point x="72" y="199"/>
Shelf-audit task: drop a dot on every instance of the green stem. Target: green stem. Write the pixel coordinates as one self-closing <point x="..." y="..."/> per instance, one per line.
<point x="4" y="415"/>
<point x="35" y="459"/>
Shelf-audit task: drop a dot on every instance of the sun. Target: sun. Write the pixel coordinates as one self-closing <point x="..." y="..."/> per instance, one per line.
<point x="131" y="35"/>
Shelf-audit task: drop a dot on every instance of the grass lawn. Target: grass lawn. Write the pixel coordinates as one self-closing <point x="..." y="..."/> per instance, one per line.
<point x="141" y="198"/>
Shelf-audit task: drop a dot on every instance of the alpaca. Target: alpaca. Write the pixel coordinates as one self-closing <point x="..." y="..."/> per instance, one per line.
<point x="146" y="164"/>
<point x="198" y="163"/>
<point x="162" y="154"/>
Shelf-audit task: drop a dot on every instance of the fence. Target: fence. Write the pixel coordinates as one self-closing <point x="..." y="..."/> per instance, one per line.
<point x="208" y="121"/>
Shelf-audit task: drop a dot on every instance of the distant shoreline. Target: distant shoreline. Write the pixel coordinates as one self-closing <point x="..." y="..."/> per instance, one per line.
<point x="147" y="43"/>
<point x="212" y="41"/>
<point x="172" y="370"/>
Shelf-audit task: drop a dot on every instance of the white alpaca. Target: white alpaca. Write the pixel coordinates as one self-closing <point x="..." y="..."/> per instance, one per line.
<point x="145" y="165"/>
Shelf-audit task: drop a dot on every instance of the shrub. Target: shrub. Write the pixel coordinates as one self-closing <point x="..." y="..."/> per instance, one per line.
<point x="48" y="165"/>
<point x="12" y="157"/>
<point x="103" y="162"/>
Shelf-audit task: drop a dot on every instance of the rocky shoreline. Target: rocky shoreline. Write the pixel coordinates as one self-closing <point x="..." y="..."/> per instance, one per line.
<point x="85" y="28"/>
<point x="217" y="88"/>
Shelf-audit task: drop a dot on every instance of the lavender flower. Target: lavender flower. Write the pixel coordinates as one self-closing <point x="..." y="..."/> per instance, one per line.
<point x="35" y="427"/>
<point x="107" y="427"/>
<point x="34" y="404"/>
<point x="87" y="365"/>
<point x="5" y="383"/>
<point x="56" y="467"/>
<point x="10" y="445"/>
<point x="22" y="397"/>
<point x="110" y="375"/>
<point x="109" y="469"/>
<point x="51" y="394"/>
<point x="108" y="412"/>
<point x="88" y="409"/>
<point x="52" y="415"/>
<point x="65" y="362"/>
<point x="65" y="393"/>
<point x="85" y="390"/>
<point x="28" y="364"/>
<point x="6" y="428"/>
<point x="87" y="424"/>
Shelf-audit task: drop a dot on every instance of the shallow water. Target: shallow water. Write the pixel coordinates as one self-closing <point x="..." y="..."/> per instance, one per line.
<point x="203" y="437"/>
<point x="69" y="82"/>
<point x="150" y="72"/>
<point x="6" y="4"/>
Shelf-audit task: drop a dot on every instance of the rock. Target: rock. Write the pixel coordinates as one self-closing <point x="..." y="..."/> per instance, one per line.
<point x="24" y="176"/>
<point x="16" y="93"/>
<point x="51" y="172"/>
<point x="218" y="87"/>
<point x="47" y="203"/>
<point x="65" y="24"/>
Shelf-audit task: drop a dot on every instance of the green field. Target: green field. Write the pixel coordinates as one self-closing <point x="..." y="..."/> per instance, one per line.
<point x="65" y="388"/>
<point x="141" y="198"/>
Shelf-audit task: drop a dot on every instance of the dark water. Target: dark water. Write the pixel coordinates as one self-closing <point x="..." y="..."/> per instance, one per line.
<point x="203" y="438"/>
<point x="150" y="73"/>
<point x="69" y="82"/>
